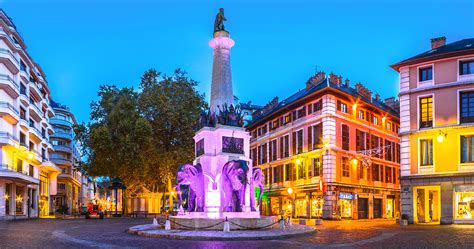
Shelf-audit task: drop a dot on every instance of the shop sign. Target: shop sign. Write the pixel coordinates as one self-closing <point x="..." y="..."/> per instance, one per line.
<point x="347" y="196"/>
<point x="371" y="191"/>
<point x="301" y="195"/>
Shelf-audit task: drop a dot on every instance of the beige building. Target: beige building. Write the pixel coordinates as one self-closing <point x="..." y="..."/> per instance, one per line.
<point x="437" y="133"/>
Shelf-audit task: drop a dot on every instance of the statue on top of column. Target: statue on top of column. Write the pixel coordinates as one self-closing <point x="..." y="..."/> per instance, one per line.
<point x="219" y="22"/>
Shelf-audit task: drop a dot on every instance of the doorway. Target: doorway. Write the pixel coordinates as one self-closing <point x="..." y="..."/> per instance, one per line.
<point x="377" y="208"/>
<point x="363" y="208"/>
<point x="427" y="203"/>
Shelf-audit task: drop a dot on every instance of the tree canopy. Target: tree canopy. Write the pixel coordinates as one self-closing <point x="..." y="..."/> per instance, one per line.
<point x="142" y="136"/>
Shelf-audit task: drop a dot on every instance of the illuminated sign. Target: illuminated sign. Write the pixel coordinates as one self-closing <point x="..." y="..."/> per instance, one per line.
<point x="348" y="196"/>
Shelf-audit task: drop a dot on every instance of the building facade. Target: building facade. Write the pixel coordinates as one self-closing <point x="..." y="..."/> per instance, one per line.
<point x="67" y="156"/>
<point x="328" y="151"/>
<point x="437" y="133"/>
<point x="27" y="176"/>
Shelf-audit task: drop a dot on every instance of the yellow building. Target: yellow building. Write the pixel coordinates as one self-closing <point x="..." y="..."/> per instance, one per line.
<point x="437" y="133"/>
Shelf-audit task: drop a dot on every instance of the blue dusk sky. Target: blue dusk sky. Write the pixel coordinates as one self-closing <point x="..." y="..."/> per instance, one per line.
<point x="278" y="44"/>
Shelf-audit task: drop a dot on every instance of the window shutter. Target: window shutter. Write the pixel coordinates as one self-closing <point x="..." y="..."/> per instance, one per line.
<point x="338" y="105"/>
<point x="293" y="140"/>
<point x="270" y="151"/>
<point x="258" y="155"/>
<point x="310" y="142"/>
<point x="281" y="148"/>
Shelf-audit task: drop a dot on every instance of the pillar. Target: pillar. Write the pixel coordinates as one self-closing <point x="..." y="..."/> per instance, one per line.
<point x="221" y="87"/>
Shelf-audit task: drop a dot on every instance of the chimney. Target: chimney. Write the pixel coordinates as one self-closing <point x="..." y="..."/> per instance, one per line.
<point x="335" y="79"/>
<point x="438" y="42"/>
<point x="393" y="103"/>
<point x="377" y="97"/>
<point x="363" y="91"/>
<point x="315" y="79"/>
<point x="347" y="82"/>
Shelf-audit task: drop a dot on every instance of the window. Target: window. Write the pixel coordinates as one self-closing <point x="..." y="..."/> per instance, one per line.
<point x="466" y="67"/>
<point x="287" y="172"/>
<point x="287" y="119"/>
<point x="299" y="141"/>
<point x="376" y="172"/>
<point x="345" y="137"/>
<point x="62" y="186"/>
<point x="275" y="124"/>
<point x="388" y="174"/>
<point x="285" y="146"/>
<point x="317" y="106"/>
<point x="360" y="140"/>
<point x="301" y="112"/>
<point x="425" y="73"/>
<point x="315" y="134"/>
<point x="389" y="150"/>
<point x="264" y="129"/>
<point x="345" y="167"/>
<point x="361" y="115"/>
<point x="362" y="171"/>
<point x="467" y="107"/>
<point x="341" y="107"/>
<point x="375" y="120"/>
<point x="467" y="149"/>
<point x="276" y="174"/>
<point x="273" y="150"/>
<point x="31" y="171"/>
<point x="426" y="112"/>
<point x="300" y="170"/>
<point x="263" y="154"/>
<point x="317" y="169"/>
<point x="253" y="155"/>
<point x="375" y="143"/>
<point x="426" y="152"/>
<point x="389" y="126"/>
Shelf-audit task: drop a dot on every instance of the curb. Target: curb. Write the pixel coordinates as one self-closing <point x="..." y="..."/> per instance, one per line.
<point x="217" y="238"/>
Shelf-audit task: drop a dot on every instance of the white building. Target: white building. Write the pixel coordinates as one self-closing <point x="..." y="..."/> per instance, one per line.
<point x="27" y="177"/>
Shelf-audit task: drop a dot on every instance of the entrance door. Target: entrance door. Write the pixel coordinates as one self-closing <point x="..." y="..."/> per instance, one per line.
<point x="427" y="203"/>
<point x="377" y="208"/>
<point x="390" y="208"/>
<point x="363" y="208"/>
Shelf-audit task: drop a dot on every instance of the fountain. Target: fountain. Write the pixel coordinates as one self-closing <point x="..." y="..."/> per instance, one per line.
<point x="220" y="184"/>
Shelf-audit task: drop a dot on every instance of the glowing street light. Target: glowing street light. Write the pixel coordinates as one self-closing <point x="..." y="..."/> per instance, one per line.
<point x="290" y="190"/>
<point x="298" y="161"/>
<point x="441" y="136"/>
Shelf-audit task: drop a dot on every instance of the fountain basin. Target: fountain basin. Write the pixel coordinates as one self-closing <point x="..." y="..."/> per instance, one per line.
<point x="197" y="222"/>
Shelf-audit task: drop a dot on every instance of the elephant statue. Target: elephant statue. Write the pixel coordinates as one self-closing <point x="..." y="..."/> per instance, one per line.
<point x="193" y="176"/>
<point x="258" y="181"/>
<point x="234" y="183"/>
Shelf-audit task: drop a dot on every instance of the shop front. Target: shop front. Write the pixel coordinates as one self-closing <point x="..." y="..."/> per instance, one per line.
<point x="345" y="205"/>
<point x="427" y="204"/>
<point x="464" y="204"/>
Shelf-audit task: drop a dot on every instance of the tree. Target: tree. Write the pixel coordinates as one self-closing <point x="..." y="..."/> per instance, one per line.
<point x="117" y="139"/>
<point x="172" y="105"/>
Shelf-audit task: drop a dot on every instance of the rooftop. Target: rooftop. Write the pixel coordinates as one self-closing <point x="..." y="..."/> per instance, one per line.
<point x="451" y="49"/>
<point x="325" y="83"/>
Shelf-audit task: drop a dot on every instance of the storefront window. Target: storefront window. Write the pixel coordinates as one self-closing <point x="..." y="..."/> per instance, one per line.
<point x="464" y="201"/>
<point x="19" y="200"/>
<point x="345" y="204"/>
<point x="300" y="207"/>
<point x="317" y="207"/>
<point x="389" y="209"/>
<point x="275" y="204"/>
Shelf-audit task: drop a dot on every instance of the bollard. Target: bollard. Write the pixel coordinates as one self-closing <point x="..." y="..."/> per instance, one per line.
<point x="282" y="224"/>
<point x="155" y="222"/>
<point x="168" y="224"/>
<point x="318" y="222"/>
<point x="226" y="225"/>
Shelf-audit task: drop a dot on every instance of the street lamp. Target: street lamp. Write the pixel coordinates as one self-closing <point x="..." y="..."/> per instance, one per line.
<point x="116" y="184"/>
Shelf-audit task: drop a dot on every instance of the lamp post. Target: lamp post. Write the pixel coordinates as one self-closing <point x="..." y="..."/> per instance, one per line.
<point x="116" y="184"/>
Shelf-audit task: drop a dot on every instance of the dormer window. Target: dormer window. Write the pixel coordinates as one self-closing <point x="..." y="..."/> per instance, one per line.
<point x="425" y="73"/>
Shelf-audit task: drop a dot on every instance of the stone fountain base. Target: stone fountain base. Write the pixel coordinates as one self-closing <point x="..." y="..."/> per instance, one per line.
<point x="236" y="223"/>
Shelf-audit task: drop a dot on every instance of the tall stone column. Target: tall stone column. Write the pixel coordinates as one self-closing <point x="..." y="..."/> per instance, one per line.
<point x="221" y="88"/>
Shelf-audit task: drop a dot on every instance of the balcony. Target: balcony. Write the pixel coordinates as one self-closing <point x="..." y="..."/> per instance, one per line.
<point x="64" y="135"/>
<point x="24" y="123"/>
<point x="35" y="133"/>
<point x="9" y="112"/>
<point x="63" y="122"/>
<point x="9" y="60"/>
<point x="63" y="148"/>
<point x="12" y="172"/>
<point x="8" y="138"/>
<point x="25" y="100"/>
<point x="9" y="86"/>
<point x="35" y="111"/>
<point x="34" y="89"/>
<point x="61" y="161"/>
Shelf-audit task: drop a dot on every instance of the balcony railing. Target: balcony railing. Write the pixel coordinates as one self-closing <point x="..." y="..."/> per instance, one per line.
<point x="12" y="168"/>
<point x="60" y="122"/>
<point x="8" y="136"/>
<point x="6" y="51"/>
<point x="8" y="78"/>
<point x="32" y="103"/>
<point x="9" y="106"/>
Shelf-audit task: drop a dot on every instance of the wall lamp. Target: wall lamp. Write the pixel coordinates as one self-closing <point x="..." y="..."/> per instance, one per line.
<point x="441" y="136"/>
